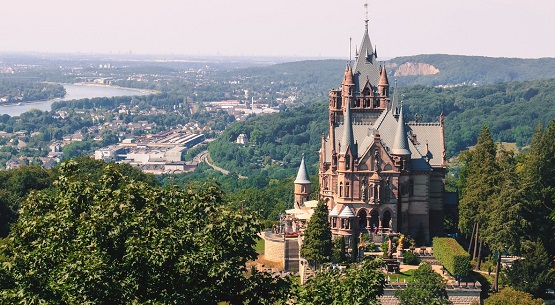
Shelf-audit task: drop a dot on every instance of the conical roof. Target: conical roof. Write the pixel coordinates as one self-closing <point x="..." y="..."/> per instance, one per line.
<point x="346" y="212"/>
<point x="347" y="141"/>
<point x="383" y="78"/>
<point x="302" y="174"/>
<point x="401" y="142"/>
<point x="335" y="210"/>
<point x="348" y="77"/>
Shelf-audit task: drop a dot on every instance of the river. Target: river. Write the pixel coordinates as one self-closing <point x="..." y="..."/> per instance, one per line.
<point x="73" y="92"/>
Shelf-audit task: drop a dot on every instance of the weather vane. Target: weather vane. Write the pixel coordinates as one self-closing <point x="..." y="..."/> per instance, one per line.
<point x="366" y="8"/>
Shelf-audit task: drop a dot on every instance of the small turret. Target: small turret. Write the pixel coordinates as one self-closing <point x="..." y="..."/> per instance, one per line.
<point x="303" y="185"/>
<point x="347" y="141"/>
<point x="383" y="85"/>
<point x="401" y="143"/>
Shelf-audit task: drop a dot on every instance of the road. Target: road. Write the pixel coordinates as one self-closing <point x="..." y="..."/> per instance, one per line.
<point x="204" y="156"/>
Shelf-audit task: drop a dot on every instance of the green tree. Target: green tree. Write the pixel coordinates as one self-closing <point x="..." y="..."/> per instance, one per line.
<point x="533" y="273"/>
<point x="479" y="178"/>
<point x="428" y="288"/>
<point x="538" y="171"/>
<point x="360" y="284"/>
<point x="502" y="230"/>
<point x="509" y="296"/>
<point x="317" y="243"/>
<point x="120" y="241"/>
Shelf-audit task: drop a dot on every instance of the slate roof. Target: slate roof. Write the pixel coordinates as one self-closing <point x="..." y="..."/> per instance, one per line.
<point x="366" y="64"/>
<point x="401" y="143"/>
<point x="302" y="174"/>
<point x="387" y="125"/>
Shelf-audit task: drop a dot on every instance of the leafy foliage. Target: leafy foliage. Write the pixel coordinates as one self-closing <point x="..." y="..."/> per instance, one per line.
<point x="410" y="258"/>
<point x="533" y="273"/>
<point x="428" y="288"/>
<point x="510" y="296"/>
<point x="360" y="284"/>
<point x="277" y="142"/>
<point x="118" y="241"/>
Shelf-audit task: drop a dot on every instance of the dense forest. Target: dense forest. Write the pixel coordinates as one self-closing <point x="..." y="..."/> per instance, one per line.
<point x="479" y="70"/>
<point x="277" y="142"/>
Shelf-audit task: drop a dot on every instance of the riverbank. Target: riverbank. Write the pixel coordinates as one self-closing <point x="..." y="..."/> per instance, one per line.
<point x="74" y="92"/>
<point x="149" y="91"/>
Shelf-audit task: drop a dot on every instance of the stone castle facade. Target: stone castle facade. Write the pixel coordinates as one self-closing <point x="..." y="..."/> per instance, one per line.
<point x="378" y="173"/>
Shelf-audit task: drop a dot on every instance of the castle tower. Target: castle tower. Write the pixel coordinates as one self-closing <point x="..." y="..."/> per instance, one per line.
<point x="303" y="186"/>
<point x="378" y="173"/>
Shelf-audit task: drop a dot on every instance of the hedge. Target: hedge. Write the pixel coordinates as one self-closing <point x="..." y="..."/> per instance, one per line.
<point x="452" y="256"/>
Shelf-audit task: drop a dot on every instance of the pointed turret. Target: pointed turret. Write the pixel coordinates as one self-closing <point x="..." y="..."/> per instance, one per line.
<point x="303" y="186"/>
<point x="395" y="102"/>
<point x="348" y="76"/>
<point x="383" y="86"/>
<point x="401" y="143"/>
<point x="302" y="174"/>
<point x="383" y="78"/>
<point x="347" y="141"/>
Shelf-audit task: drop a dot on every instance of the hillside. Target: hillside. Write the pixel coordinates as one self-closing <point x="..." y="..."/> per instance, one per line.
<point x="451" y="70"/>
<point x="511" y="110"/>
<point x="428" y="70"/>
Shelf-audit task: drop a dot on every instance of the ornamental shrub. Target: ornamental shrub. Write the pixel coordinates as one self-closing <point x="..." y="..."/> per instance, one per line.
<point x="452" y="256"/>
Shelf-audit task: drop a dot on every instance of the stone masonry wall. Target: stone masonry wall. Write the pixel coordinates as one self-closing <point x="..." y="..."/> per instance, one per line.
<point x="274" y="247"/>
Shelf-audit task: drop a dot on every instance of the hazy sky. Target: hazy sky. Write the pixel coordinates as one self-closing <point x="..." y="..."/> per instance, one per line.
<point x="308" y="28"/>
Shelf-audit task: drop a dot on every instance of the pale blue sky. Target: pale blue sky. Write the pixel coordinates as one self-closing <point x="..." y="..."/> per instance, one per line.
<point x="308" y="28"/>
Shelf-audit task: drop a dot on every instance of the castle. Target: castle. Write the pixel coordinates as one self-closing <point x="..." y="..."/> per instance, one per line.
<point x="377" y="173"/>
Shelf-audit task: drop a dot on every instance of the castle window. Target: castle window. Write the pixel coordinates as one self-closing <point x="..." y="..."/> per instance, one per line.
<point x="340" y="189"/>
<point x="347" y="189"/>
<point x="347" y="162"/>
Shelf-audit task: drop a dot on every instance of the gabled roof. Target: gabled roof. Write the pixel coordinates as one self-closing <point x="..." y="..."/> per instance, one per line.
<point x="302" y="174"/>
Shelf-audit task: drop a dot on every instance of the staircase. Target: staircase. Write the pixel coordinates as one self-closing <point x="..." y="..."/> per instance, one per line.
<point x="291" y="255"/>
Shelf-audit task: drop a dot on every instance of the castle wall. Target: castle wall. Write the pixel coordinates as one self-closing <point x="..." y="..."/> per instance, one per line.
<point x="274" y="247"/>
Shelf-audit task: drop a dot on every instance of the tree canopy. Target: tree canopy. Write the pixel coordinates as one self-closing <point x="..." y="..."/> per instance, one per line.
<point x="428" y="288"/>
<point x="509" y="296"/>
<point x="119" y="241"/>
<point x="360" y="284"/>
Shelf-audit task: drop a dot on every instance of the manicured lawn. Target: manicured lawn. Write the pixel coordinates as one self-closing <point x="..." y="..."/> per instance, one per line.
<point x="407" y="275"/>
<point x="259" y="246"/>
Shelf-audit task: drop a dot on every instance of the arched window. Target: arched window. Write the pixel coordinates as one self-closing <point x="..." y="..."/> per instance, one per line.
<point x="347" y="162"/>
<point x="340" y="189"/>
<point x="347" y="189"/>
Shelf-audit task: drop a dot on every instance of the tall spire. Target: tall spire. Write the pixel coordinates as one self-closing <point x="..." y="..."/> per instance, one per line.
<point x="395" y="102"/>
<point x="401" y="142"/>
<point x="302" y="175"/>
<point x="347" y="141"/>
<point x="366" y="66"/>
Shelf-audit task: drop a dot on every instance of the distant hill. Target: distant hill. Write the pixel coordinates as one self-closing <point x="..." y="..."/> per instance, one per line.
<point x="427" y="70"/>
<point x="452" y="70"/>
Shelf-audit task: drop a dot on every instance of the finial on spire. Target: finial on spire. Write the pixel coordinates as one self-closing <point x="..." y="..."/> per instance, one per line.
<point x="366" y="20"/>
